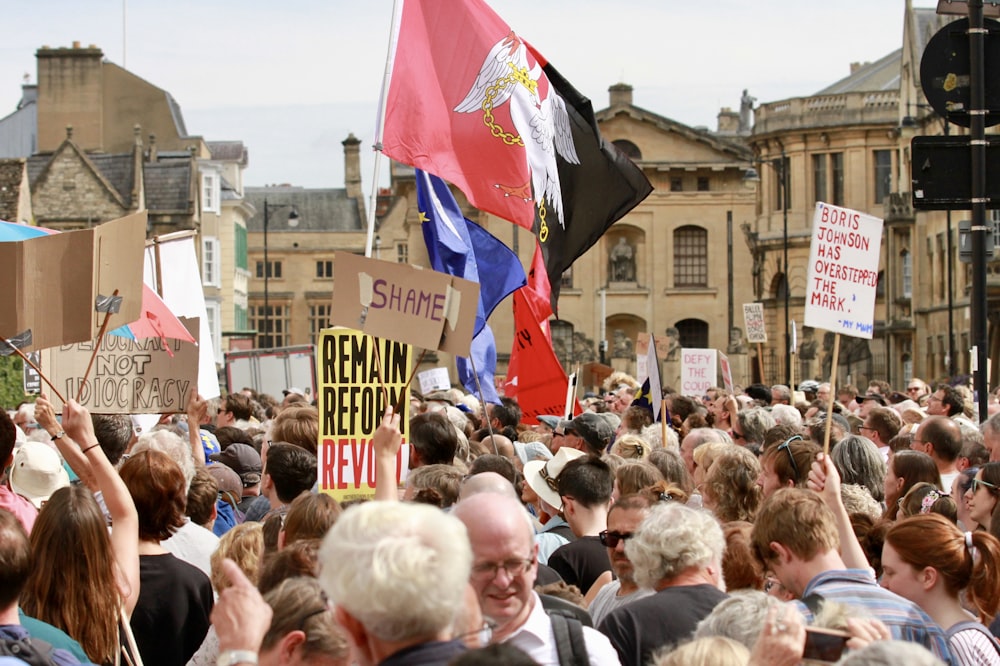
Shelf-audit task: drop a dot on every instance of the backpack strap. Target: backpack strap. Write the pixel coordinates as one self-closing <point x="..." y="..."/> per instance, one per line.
<point x="570" y="645"/>
<point x="975" y="626"/>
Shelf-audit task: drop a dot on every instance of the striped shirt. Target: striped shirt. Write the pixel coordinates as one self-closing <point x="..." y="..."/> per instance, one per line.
<point x="972" y="645"/>
<point x="858" y="588"/>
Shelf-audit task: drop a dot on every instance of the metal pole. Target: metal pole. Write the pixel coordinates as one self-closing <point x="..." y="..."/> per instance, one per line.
<point x="951" y="287"/>
<point x="788" y="287"/>
<point x="267" y="275"/>
<point x="979" y="229"/>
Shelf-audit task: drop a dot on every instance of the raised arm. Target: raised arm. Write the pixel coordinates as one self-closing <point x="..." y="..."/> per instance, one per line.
<point x="124" y="519"/>
<point x="387" y="442"/>
<point x="46" y="416"/>
<point x="197" y="409"/>
<point x="825" y="480"/>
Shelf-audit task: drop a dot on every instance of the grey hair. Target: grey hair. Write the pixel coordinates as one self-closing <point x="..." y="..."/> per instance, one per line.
<point x="786" y="415"/>
<point x="889" y="653"/>
<point x="859" y="461"/>
<point x="170" y="443"/>
<point x="672" y="539"/>
<point x="754" y="423"/>
<point x="400" y="569"/>
<point x="653" y="433"/>
<point x="992" y="425"/>
<point x="740" y="617"/>
<point x="705" y="435"/>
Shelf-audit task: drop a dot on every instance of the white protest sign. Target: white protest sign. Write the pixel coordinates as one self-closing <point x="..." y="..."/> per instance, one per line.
<point x="753" y="322"/>
<point x="727" y="372"/>
<point x="435" y="379"/>
<point x="843" y="271"/>
<point x="698" y="370"/>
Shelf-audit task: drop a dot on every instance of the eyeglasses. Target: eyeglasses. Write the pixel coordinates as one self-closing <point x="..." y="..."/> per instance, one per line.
<point x="791" y="458"/>
<point x="868" y="428"/>
<point x="483" y="634"/>
<point x="612" y="539"/>
<point x="487" y="571"/>
<point x="934" y="398"/>
<point x="976" y="483"/>
<point x="912" y="389"/>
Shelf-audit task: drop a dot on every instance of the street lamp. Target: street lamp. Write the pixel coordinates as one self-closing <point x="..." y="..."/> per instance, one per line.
<point x="780" y="166"/>
<point x="293" y="221"/>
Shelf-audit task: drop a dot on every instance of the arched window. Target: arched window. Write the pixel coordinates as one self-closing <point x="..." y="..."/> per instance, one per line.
<point x="630" y="149"/>
<point x="693" y="333"/>
<point x="779" y="286"/>
<point x="690" y="257"/>
<point x="906" y="259"/>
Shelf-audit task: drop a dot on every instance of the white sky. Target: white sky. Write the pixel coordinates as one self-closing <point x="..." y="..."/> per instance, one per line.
<point x="292" y="78"/>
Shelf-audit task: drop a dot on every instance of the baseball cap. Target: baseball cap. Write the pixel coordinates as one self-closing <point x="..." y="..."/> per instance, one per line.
<point x="593" y="428"/>
<point x="877" y="397"/>
<point x="295" y="390"/>
<point x="242" y="459"/>
<point x="549" y="420"/>
<point x="228" y="480"/>
<point x="37" y="473"/>
<point x="759" y="392"/>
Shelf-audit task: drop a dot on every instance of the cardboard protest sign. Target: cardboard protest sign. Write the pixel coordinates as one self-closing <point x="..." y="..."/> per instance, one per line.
<point x="435" y="379"/>
<point x="753" y="322"/>
<point x="698" y="370"/>
<point x="843" y="271"/>
<point x="400" y="302"/>
<point x="352" y="368"/>
<point x="128" y="376"/>
<point x="727" y="372"/>
<point x="53" y="283"/>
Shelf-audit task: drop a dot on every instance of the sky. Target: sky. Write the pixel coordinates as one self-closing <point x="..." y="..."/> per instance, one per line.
<point x="292" y="79"/>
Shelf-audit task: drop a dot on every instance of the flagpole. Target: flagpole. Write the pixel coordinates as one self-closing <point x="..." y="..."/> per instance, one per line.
<point x="397" y="12"/>
<point x="482" y="398"/>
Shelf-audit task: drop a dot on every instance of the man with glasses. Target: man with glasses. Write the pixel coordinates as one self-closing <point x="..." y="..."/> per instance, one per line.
<point x="677" y="551"/>
<point x="916" y="390"/>
<point x="504" y="566"/>
<point x="940" y="438"/>
<point x="624" y="519"/>
<point x="880" y="426"/>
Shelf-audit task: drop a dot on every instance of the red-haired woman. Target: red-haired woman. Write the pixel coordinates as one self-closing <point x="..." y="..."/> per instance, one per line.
<point x="929" y="561"/>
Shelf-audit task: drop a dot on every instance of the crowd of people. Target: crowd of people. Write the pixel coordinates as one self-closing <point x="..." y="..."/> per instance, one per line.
<point x="724" y="535"/>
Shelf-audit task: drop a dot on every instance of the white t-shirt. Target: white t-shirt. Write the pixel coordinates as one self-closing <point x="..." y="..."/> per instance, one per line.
<point x="536" y="638"/>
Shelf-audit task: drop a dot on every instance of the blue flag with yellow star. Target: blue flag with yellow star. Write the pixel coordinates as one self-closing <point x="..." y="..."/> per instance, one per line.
<point x="460" y="247"/>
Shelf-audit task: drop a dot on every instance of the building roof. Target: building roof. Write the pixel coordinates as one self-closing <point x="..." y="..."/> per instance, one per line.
<point x="228" y="151"/>
<point x="319" y="209"/>
<point x="11" y="173"/>
<point x="883" y="74"/>
<point x="119" y="170"/>
<point x="168" y="186"/>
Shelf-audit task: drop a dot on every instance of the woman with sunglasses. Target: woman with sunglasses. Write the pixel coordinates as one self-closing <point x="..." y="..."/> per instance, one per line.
<point x="982" y="498"/>
<point x="931" y="562"/>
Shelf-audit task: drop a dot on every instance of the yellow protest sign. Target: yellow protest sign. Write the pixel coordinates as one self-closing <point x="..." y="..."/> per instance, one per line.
<point x="357" y="376"/>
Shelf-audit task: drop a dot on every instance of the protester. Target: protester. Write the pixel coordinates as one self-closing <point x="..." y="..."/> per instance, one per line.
<point x="905" y="470"/>
<point x="624" y="518"/>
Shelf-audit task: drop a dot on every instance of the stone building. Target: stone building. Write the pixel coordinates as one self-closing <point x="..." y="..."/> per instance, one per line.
<point x="849" y="145"/>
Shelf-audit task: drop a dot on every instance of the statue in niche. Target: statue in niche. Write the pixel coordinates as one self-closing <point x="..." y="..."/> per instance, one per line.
<point x="736" y="345"/>
<point x="673" y="343"/>
<point x="622" y="346"/>
<point x="622" y="262"/>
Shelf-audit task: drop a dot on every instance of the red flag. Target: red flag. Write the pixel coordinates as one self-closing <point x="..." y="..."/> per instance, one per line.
<point x="471" y="102"/>
<point x="535" y="377"/>
<point x="537" y="293"/>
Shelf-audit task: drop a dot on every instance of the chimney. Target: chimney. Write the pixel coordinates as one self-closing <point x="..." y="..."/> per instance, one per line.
<point x="352" y="171"/>
<point x="728" y="121"/>
<point x="621" y="94"/>
<point x="70" y="91"/>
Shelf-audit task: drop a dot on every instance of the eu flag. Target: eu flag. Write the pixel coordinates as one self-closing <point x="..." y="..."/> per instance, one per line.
<point x="462" y="248"/>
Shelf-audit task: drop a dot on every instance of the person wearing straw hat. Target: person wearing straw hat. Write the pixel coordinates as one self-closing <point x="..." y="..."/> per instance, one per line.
<point x="542" y="476"/>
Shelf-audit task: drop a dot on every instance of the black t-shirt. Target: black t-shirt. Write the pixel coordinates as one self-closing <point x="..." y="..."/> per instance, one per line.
<point x="581" y="562"/>
<point x="666" y="618"/>
<point x="171" y="617"/>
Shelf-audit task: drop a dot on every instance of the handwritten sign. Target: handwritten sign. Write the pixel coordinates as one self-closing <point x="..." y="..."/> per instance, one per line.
<point x="843" y="271"/>
<point x="356" y="375"/>
<point x="400" y="302"/>
<point x="147" y="376"/>
<point x="698" y="370"/>
<point x="753" y="322"/>
<point x="435" y="379"/>
<point x="727" y="372"/>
